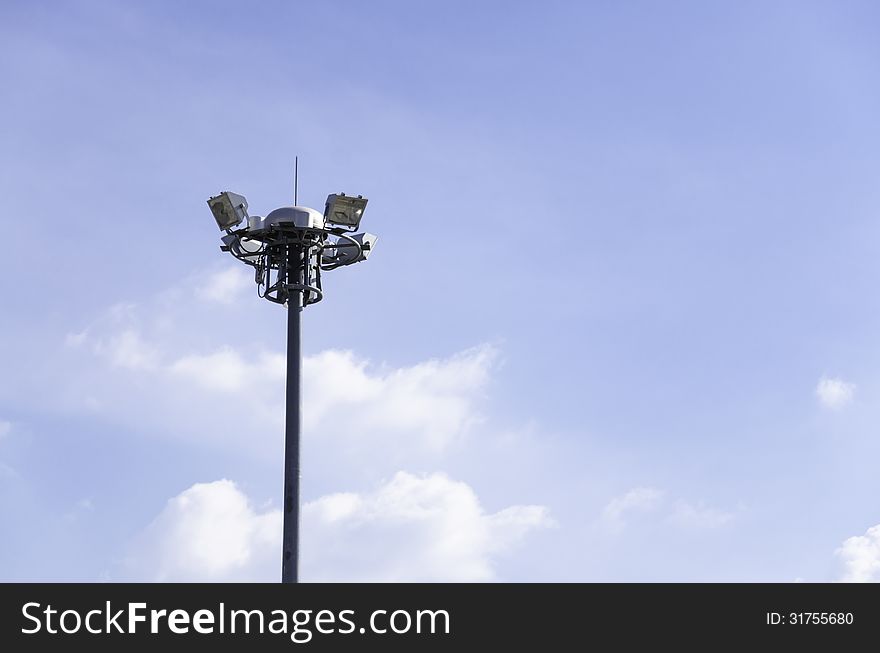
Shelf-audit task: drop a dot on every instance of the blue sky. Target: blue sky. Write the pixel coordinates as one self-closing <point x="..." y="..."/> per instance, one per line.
<point x="620" y="324"/>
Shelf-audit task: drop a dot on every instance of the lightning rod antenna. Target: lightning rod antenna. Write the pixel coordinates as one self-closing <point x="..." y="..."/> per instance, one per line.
<point x="295" y="180"/>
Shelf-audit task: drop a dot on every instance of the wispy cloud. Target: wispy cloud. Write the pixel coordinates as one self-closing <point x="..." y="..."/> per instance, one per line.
<point x="6" y="471"/>
<point x="638" y="499"/>
<point x="646" y="500"/>
<point x="227" y="285"/>
<point x="699" y="516"/>
<point x="165" y="357"/>
<point x="834" y="393"/>
<point x="79" y="509"/>
<point x="228" y="370"/>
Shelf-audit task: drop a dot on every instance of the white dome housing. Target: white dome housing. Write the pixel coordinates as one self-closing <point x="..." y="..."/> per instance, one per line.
<point x="299" y="216"/>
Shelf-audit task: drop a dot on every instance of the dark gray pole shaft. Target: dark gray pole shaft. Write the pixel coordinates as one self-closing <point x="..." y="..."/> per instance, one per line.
<point x="293" y="422"/>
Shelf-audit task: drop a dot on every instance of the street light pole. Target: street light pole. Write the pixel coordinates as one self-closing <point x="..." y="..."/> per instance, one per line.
<point x="293" y="417"/>
<point x="288" y="249"/>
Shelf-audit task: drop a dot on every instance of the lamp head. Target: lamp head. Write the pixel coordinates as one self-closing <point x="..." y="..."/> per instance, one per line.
<point x="345" y="210"/>
<point x="229" y="209"/>
<point x="341" y="253"/>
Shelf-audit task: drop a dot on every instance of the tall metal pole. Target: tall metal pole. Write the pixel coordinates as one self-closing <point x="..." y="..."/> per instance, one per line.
<point x="293" y="419"/>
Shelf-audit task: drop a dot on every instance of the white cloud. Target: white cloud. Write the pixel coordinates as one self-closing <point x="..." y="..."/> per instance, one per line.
<point x="209" y="532"/>
<point x="412" y="528"/>
<point x="225" y="286"/>
<point x="861" y="557"/>
<point x="834" y="393"/>
<point x="5" y="428"/>
<point x="433" y="402"/>
<point x="639" y="499"/>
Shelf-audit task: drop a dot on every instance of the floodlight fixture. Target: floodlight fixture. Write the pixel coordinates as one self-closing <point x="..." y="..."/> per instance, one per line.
<point x="348" y="249"/>
<point x="289" y="249"/>
<point x="367" y="242"/>
<point x="344" y="210"/>
<point x="244" y="249"/>
<point x="229" y="209"/>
